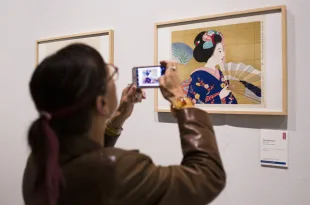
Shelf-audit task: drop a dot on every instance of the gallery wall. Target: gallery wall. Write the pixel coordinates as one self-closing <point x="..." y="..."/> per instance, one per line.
<point x="24" y="22"/>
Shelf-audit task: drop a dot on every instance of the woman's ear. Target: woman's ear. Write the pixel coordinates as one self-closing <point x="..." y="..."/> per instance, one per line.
<point x="102" y="105"/>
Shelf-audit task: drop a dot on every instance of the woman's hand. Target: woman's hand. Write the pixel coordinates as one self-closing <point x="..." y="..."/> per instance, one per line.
<point x="170" y="83"/>
<point x="224" y="92"/>
<point x="130" y="95"/>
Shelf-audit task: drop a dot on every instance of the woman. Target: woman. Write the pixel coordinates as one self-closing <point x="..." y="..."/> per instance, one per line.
<point x="73" y="162"/>
<point x="208" y="85"/>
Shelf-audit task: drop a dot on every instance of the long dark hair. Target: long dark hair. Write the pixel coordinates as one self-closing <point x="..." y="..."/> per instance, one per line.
<point x="201" y="54"/>
<point x="64" y="87"/>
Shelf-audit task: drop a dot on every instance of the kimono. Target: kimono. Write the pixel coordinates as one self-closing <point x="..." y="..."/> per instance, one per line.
<point x="204" y="87"/>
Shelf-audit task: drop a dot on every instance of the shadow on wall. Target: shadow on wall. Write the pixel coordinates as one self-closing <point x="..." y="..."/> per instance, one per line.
<point x="248" y="121"/>
<point x="258" y="121"/>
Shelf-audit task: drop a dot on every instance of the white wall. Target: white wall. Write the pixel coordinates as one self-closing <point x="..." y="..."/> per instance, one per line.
<point x="23" y="22"/>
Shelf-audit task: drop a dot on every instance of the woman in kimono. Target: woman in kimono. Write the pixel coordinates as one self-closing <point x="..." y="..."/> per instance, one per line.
<point x="207" y="84"/>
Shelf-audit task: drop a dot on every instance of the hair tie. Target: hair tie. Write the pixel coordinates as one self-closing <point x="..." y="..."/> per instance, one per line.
<point x="45" y="115"/>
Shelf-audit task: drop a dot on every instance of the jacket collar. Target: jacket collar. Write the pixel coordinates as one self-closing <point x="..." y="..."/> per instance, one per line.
<point x="75" y="147"/>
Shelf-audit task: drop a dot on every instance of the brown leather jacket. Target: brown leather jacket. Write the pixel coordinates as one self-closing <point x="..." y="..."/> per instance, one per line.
<point x="96" y="175"/>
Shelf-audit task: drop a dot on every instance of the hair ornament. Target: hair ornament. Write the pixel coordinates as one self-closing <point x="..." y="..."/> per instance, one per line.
<point x="197" y="43"/>
<point x="207" y="45"/>
<point x="206" y="37"/>
<point x="211" y="32"/>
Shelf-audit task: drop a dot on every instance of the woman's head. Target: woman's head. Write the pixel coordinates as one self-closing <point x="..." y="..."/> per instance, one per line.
<point x="73" y="81"/>
<point x="71" y="89"/>
<point x="209" y="45"/>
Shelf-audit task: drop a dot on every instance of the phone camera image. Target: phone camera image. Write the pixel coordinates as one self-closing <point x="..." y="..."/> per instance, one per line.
<point x="149" y="76"/>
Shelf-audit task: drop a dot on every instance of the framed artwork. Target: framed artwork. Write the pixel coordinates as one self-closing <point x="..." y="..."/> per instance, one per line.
<point x="102" y="41"/>
<point x="232" y="63"/>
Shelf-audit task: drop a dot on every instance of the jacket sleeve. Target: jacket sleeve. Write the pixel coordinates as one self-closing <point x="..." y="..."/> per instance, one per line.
<point x="198" y="180"/>
<point x="110" y="141"/>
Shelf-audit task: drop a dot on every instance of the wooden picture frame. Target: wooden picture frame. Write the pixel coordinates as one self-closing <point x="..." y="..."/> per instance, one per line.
<point x="105" y="37"/>
<point x="277" y="102"/>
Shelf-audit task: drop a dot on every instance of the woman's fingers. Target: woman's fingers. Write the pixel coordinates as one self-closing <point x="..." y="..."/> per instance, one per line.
<point x="132" y="91"/>
<point x="136" y="94"/>
<point x="170" y="84"/>
<point x="143" y="94"/>
<point x="163" y="63"/>
<point x="140" y="93"/>
<point x="168" y="65"/>
<point x="126" y="90"/>
<point x="162" y="81"/>
<point x="138" y="97"/>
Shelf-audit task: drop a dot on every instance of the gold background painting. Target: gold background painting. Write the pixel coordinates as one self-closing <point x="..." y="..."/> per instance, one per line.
<point x="242" y="44"/>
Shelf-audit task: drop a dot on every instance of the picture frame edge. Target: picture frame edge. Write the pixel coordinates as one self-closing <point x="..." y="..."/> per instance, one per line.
<point x="282" y="9"/>
<point x="109" y="32"/>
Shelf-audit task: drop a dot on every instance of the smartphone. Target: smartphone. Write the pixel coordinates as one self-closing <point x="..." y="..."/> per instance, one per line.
<point x="147" y="76"/>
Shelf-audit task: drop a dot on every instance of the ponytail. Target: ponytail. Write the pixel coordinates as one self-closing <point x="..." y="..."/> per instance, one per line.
<point x="45" y="150"/>
<point x="69" y="105"/>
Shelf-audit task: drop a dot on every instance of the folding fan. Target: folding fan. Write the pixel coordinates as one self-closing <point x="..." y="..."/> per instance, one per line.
<point x="244" y="80"/>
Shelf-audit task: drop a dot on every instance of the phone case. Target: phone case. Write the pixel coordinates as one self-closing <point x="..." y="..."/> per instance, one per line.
<point x="135" y="76"/>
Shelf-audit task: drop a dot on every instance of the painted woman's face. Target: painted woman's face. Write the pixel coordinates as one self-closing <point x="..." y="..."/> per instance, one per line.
<point x="219" y="53"/>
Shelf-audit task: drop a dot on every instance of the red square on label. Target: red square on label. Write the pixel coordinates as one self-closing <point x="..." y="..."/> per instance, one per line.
<point x="284" y="136"/>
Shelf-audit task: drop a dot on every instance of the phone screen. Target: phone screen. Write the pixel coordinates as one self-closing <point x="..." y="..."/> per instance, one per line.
<point x="148" y="77"/>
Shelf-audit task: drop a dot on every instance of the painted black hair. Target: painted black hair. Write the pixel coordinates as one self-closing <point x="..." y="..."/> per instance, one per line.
<point x="64" y="87"/>
<point x="202" y="55"/>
